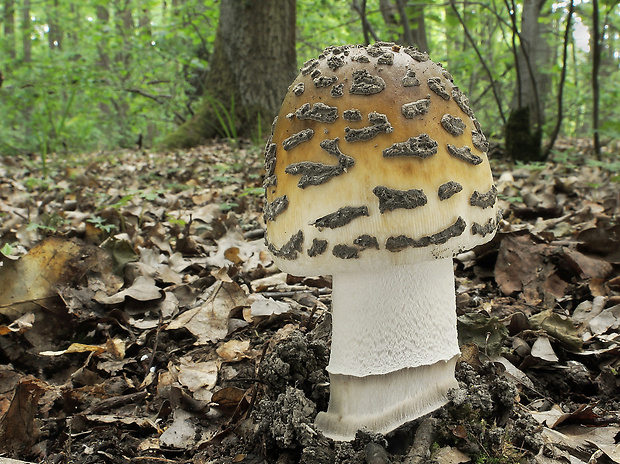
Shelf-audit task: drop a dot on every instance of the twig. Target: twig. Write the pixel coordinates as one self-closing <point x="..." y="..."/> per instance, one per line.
<point x="422" y="442"/>
<point x="159" y="325"/>
<point x="157" y="98"/>
<point x="115" y="402"/>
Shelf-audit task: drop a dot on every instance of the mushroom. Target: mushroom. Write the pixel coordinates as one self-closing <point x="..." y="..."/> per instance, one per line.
<point x="377" y="173"/>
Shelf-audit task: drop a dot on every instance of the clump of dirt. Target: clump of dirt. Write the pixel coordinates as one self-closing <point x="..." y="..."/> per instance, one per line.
<point x="483" y="418"/>
<point x="299" y="362"/>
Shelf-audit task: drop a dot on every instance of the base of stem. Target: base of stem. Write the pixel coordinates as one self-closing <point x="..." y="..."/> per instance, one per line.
<point x="380" y="403"/>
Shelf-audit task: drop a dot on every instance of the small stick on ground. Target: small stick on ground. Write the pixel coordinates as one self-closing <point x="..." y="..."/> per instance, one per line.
<point x="422" y="442"/>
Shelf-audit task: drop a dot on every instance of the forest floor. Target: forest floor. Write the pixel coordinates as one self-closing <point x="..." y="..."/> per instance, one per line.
<point x="142" y="320"/>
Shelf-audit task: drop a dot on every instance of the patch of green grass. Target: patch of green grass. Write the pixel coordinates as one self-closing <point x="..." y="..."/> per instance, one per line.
<point x="7" y="250"/>
<point x="101" y="224"/>
<point x="255" y="191"/>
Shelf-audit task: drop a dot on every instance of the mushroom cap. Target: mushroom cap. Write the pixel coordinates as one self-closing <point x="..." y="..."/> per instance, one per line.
<point x="375" y="159"/>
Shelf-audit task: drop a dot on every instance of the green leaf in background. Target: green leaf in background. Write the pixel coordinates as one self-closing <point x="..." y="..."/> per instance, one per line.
<point x="122" y="253"/>
<point x="486" y="332"/>
<point x="6" y="250"/>
<point x="559" y="327"/>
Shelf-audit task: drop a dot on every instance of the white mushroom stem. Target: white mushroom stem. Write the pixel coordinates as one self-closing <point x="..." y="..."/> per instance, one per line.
<point x="394" y="347"/>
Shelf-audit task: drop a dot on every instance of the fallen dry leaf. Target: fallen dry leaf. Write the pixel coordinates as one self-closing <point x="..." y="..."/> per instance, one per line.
<point x="542" y="349"/>
<point x="234" y="350"/>
<point x="19" y="325"/>
<point x="520" y="267"/>
<point x="32" y="282"/>
<point x="209" y="320"/>
<point x="142" y="289"/>
<point x="198" y="377"/>
<point x="181" y="433"/>
<point x="17" y="426"/>
<point x="559" y="327"/>
<point x="264" y="307"/>
<point x="199" y="237"/>
<point x="75" y="348"/>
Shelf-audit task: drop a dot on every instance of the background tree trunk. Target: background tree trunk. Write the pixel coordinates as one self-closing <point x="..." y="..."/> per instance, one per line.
<point x="527" y="115"/>
<point x="9" y="27"/>
<point x="410" y="19"/>
<point x="26" y="32"/>
<point x="417" y="25"/>
<point x="252" y="65"/>
<point x="596" y="65"/>
<point x="54" y="36"/>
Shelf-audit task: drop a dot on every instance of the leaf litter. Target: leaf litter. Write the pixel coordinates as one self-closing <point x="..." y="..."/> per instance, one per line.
<point x="138" y="300"/>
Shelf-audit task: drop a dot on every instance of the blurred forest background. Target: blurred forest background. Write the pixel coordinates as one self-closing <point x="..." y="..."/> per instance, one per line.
<point x="87" y="75"/>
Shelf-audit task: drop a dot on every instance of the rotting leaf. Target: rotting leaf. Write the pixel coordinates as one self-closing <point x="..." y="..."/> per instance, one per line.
<point x="470" y="353"/>
<point x="17" y="426"/>
<point x="230" y="399"/>
<point x="486" y="332"/>
<point x="142" y="289"/>
<point x="32" y="282"/>
<point x="601" y="240"/>
<point x="122" y="253"/>
<point x="587" y="267"/>
<point x="234" y="350"/>
<point x="559" y="327"/>
<point x="521" y="267"/>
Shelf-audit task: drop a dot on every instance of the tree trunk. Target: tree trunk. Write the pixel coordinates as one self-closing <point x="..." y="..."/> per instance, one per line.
<point x="9" y="27"/>
<point x="415" y="16"/>
<point x="26" y="32"/>
<point x="411" y="19"/>
<point x="596" y="64"/>
<point x="54" y="36"/>
<point x="252" y="65"/>
<point x="524" y="126"/>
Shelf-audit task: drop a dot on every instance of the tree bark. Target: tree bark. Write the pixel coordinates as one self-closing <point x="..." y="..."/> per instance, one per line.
<point x="26" y="28"/>
<point x="534" y="52"/>
<point x="526" y="119"/>
<point x="252" y="65"/>
<point x="54" y="36"/>
<point x="9" y="27"/>
<point x="417" y="25"/>
<point x="596" y="64"/>
<point x="410" y="18"/>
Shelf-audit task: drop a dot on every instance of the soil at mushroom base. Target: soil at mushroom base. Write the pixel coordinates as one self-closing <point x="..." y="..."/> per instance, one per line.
<point x="485" y="405"/>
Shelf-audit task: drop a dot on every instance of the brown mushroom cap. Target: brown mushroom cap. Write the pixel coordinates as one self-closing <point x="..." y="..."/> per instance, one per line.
<point x="375" y="158"/>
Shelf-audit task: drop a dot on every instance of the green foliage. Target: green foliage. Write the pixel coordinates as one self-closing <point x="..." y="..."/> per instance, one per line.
<point x="101" y="224"/>
<point x="49" y="223"/>
<point x="176" y="221"/>
<point x="255" y="191"/>
<point x="7" y="250"/>
<point x="225" y="117"/>
<point x="120" y="71"/>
